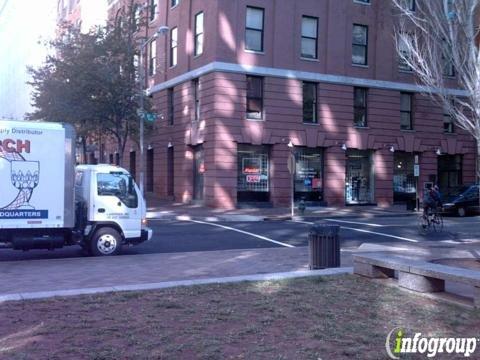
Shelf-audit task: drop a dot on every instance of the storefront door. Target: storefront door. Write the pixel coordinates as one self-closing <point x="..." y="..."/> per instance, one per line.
<point x="309" y="174"/>
<point x="359" y="177"/>
<point x="404" y="184"/>
<point x="449" y="173"/>
<point x="198" y="172"/>
<point x="253" y="182"/>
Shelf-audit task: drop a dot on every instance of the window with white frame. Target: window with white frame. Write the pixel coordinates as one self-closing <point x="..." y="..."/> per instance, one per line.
<point x="153" y="9"/>
<point x="405" y="42"/>
<point x="152" y="60"/>
<point x="447" y="60"/>
<point x="198" y="36"/>
<point x="174" y="3"/>
<point x="309" y="37"/>
<point x="359" y="44"/>
<point x="174" y="46"/>
<point x="254" y="29"/>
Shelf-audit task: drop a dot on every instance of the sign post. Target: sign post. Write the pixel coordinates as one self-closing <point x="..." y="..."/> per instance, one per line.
<point x="416" y="174"/>
<point x="291" y="169"/>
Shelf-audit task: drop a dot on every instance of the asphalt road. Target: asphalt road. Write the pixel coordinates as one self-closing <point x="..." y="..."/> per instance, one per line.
<point x="186" y="236"/>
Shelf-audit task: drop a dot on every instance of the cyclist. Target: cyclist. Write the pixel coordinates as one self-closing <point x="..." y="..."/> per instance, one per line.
<point x="431" y="200"/>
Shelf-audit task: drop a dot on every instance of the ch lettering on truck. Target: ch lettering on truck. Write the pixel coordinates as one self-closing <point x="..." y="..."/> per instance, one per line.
<point x="15" y="146"/>
<point x="24" y="176"/>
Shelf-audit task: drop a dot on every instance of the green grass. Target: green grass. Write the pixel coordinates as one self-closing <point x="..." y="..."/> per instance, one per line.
<point x="346" y="317"/>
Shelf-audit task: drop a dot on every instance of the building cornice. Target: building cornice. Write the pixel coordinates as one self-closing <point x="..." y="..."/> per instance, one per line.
<point x="297" y="75"/>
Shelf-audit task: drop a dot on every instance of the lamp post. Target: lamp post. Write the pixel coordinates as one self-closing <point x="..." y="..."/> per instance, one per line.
<point x="292" y="164"/>
<point x="162" y="30"/>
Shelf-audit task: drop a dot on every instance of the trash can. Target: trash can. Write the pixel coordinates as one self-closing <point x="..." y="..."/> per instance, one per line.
<point x="324" y="246"/>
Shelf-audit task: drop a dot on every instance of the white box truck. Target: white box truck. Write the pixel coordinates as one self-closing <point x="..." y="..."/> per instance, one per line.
<point x="47" y="203"/>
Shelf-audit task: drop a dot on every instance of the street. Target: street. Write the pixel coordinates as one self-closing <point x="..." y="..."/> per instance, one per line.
<point x="191" y="235"/>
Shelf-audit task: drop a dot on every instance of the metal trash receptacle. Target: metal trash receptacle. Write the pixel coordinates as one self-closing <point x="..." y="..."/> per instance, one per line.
<point x="324" y="246"/>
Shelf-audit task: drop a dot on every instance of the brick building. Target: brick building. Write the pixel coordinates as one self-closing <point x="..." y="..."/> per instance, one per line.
<point x="234" y="83"/>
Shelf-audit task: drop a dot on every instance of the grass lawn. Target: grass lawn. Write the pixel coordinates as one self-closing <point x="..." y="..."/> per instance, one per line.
<point x="345" y="317"/>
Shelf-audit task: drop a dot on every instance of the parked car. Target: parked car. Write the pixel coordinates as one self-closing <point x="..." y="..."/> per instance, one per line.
<point x="464" y="201"/>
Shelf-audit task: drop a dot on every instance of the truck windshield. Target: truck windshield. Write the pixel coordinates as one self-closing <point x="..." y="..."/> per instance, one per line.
<point x="120" y="185"/>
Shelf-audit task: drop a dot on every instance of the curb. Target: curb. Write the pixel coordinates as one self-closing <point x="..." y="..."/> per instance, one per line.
<point x="254" y="218"/>
<point x="170" y="284"/>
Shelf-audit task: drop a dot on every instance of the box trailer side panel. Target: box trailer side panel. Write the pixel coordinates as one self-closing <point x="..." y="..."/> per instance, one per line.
<point x="36" y="175"/>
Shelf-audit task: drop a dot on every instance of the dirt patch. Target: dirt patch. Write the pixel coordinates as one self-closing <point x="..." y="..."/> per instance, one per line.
<point x="472" y="264"/>
<point x="345" y="317"/>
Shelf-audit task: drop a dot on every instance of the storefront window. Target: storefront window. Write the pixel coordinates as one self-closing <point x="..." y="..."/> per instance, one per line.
<point x="404" y="186"/>
<point x="309" y="174"/>
<point x="253" y="174"/>
<point x="449" y="173"/>
<point x="359" y="177"/>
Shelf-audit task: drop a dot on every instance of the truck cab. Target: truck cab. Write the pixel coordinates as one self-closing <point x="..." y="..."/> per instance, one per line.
<point x="110" y="209"/>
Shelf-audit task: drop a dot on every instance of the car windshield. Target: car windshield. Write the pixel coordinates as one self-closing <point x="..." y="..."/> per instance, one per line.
<point x="120" y="185"/>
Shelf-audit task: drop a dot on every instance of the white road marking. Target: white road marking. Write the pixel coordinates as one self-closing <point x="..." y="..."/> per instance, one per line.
<point x="242" y="232"/>
<point x="368" y="232"/>
<point x="355" y="222"/>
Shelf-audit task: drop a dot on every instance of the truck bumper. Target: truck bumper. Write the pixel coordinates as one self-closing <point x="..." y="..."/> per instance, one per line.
<point x="147" y="234"/>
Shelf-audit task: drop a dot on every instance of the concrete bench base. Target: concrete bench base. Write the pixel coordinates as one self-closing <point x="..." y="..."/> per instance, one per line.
<point x="415" y="274"/>
<point x="420" y="283"/>
<point x="372" y="271"/>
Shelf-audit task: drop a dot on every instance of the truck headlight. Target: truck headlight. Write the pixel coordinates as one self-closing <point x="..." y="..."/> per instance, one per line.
<point x="144" y="222"/>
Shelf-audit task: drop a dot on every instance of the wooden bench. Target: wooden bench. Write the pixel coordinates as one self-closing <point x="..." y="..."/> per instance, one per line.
<point x="414" y="274"/>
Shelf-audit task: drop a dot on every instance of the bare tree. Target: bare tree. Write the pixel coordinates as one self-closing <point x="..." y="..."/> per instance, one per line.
<point x="438" y="40"/>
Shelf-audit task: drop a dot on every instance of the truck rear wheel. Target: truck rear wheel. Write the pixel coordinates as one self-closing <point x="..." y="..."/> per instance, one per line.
<point x="106" y="242"/>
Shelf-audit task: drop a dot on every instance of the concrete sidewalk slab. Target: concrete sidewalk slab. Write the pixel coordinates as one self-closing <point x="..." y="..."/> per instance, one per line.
<point x="169" y="284"/>
<point x="89" y="272"/>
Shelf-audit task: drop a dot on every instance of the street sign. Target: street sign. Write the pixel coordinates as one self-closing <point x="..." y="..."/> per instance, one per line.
<point x="291" y="164"/>
<point x="416" y="170"/>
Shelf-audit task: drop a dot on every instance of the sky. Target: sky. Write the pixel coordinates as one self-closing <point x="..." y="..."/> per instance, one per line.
<point x="24" y="25"/>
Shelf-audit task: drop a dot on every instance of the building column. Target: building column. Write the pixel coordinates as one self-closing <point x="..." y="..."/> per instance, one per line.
<point x="280" y="178"/>
<point x="383" y="180"/>
<point x="334" y="176"/>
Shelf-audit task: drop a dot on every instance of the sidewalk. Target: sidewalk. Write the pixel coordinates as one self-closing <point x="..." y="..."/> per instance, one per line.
<point x="167" y="210"/>
<point x="45" y="278"/>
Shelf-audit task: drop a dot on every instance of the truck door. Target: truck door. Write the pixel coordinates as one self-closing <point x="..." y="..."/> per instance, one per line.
<point x="116" y="200"/>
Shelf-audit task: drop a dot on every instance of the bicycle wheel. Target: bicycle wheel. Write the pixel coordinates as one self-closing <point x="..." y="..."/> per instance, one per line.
<point x="423" y="224"/>
<point x="437" y="222"/>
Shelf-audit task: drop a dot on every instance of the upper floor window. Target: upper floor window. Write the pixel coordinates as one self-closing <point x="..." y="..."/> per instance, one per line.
<point x="405" y="42"/>
<point x="360" y="107"/>
<point x="254" y="29"/>
<point x="174" y="46"/>
<point x="254" y="97"/>
<point x="448" y="123"/>
<point x="447" y="61"/>
<point x="174" y="3"/>
<point x="196" y="98"/>
<point x="137" y="16"/>
<point x="198" y="37"/>
<point x="309" y="102"/>
<point x="359" y="44"/>
<point x="309" y="37"/>
<point x="362" y="1"/>
<point x="406" y="120"/>
<point x="171" y="106"/>
<point x="152" y="60"/>
<point x="153" y="9"/>
<point x="411" y="5"/>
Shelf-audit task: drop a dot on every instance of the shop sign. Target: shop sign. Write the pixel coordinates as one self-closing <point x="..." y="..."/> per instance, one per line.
<point x="253" y="179"/>
<point x="416" y="170"/>
<point x="251" y="166"/>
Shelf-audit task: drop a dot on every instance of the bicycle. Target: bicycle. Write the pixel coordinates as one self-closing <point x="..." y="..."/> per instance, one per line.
<point x="432" y="220"/>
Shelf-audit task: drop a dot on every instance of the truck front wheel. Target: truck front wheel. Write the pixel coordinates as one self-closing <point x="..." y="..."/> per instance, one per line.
<point x="105" y="242"/>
